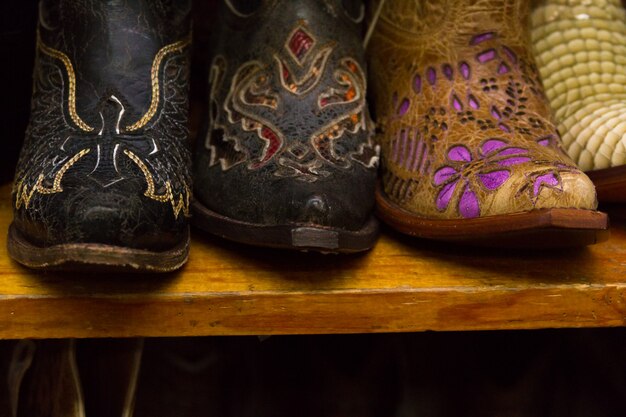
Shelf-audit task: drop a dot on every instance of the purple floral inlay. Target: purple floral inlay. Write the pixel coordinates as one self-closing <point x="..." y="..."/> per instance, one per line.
<point x="465" y="70"/>
<point x="504" y="128"/>
<point x="494" y="179"/>
<point x="410" y="154"/>
<point x="496" y="113"/>
<point x="468" y="204"/>
<point x="431" y="73"/>
<point x="465" y="172"/>
<point x="447" y="71"/>
<point x="456" y="103"/>
<point x="502" y="154"/>
<point x="421" y="157"/>
<point x="510" y="54"/>
<point x="460" y="153"/>
<point x="402" y="147"/>
<point x="473" y="102"/>
<point x="445" y="195"/>
<point x="545" y="141"/>
<point x="488" y="55"/>
<point x="404" y="107"/>
<point x="491" y="145"/>
<point x="482" y="38"/>
<point x="417" y="83"/>
<point x="546" y="180"/>
<point x="443" y="174"/>
<point x="395" y="149"/>
<point x="503" y="68"/>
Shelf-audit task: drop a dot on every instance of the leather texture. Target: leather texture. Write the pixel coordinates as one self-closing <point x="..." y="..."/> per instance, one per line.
<point x="581" y="53"/>
<point x="466" y="130"/>
<point x="105" y="158"/>
<point x="289" y="138"/>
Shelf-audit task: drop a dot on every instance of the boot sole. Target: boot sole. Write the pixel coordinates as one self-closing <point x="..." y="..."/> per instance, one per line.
<point x="303" y="237"/>
<point x="542" y="228"/>
<point x="94" y="257"/>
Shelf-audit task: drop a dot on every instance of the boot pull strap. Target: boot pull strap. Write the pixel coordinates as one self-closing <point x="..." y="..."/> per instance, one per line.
<point x="373" y="23"/>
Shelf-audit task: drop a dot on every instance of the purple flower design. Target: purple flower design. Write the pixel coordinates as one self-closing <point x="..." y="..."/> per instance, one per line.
<point x="489" y="169"/>
<point x="549" y="180"/>
<point x="400" y="107"/>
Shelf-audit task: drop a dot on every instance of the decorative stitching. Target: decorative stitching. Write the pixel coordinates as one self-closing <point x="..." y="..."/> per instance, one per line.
<point x="71" y="75"/>
<point x="307" y="82"/>
<point x="24" y="195"/>
<point x="156" y="65"/>
<point x="183" y="202"/>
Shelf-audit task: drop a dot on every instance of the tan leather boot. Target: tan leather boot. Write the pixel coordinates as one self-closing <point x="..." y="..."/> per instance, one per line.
<point x="581" y="54"/>
<point x="469" y="149"/>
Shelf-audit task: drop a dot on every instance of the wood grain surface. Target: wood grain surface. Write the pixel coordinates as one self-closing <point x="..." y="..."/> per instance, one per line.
<point x="403" y="285"/>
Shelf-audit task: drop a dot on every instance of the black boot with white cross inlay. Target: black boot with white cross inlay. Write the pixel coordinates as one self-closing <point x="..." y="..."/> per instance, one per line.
<point x="103" y="181"/>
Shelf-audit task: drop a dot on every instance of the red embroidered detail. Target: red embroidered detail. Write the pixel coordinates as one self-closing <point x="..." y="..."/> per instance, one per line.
<point x="300" y="44"/>
<point x="274" y="143"/>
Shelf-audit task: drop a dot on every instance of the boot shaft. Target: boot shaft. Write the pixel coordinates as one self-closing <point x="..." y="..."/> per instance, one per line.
<point x="111" y="47"/>
<point x="445" y="25"/>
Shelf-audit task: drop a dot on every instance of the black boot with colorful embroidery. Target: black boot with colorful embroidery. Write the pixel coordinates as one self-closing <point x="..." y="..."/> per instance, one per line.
<point x="103" y="178"/>
<point x="288" y="159"/>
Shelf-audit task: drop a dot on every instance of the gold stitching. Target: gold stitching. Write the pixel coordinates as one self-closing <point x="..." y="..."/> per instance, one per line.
<point x="154" y="73"/>
<point x="314" y="73"/>
<point x="183" y="200"/>
<point x="24" y="195"/>
<point x="71" y="75"/>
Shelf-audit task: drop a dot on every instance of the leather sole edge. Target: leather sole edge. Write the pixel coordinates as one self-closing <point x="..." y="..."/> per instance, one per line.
<point x="302" y="237"/>
<point x="95" y="257"/>
<point x="542" y="228"/>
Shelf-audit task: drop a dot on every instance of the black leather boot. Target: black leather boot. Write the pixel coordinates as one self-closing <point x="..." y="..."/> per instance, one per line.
<point x="288" y="160"/>
<point x="103" y="177"/>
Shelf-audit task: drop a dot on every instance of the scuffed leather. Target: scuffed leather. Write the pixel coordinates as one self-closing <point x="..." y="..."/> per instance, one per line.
<point x="102" y="196"/>
<point x="466" y="130"/>
<point x="296" y="178"/>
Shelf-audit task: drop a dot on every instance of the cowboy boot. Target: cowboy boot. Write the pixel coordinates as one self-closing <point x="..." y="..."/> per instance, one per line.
<point x="469" y="149"/>
<point x="103" y="177"/>
<point x="288" y="160"/>
<point x="581" y="49"/>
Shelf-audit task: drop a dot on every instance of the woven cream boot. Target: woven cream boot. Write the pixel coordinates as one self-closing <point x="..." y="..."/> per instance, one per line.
<point x="580" y="48"/>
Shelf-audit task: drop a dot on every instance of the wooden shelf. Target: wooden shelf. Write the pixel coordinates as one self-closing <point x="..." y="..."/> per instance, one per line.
<point x="402" y="285"/>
